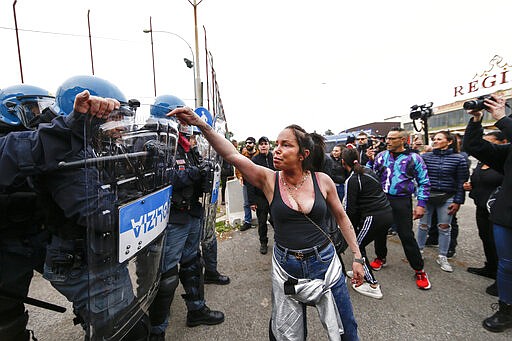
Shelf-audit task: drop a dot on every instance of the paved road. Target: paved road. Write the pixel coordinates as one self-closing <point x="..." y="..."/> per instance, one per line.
<point x="452" y="310"/>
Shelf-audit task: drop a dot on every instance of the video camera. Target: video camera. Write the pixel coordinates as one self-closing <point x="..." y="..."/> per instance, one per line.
<point x="477" y="104"/>
<point x="423" y="111"/>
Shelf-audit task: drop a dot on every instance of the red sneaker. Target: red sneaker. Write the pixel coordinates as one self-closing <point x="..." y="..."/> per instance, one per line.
<point x="378" y="263"/>
<point x="422" y="280"/>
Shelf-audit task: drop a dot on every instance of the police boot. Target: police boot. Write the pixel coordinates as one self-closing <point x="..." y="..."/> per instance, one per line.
<point x="501" y="320"/>
<point x="198" y="313"/>
<point x="214" y="277"/>
<point x="204" y="316"/>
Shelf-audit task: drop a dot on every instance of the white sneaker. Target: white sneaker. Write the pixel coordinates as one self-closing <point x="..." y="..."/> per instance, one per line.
<point x="367" y="290"/>
<point x="443" y="262"/>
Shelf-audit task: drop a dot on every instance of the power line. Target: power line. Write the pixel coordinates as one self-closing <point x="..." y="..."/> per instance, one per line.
<point x="68" y="34"/>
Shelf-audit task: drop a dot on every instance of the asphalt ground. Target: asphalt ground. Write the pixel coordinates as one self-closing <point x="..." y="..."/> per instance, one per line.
<point x="452" y="310"/>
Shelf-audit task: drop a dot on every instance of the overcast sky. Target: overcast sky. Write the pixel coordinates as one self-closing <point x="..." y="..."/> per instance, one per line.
<point x="323" y="64"/>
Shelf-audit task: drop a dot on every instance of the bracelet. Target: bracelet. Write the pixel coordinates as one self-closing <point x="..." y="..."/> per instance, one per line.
<point x="359" y="260"/>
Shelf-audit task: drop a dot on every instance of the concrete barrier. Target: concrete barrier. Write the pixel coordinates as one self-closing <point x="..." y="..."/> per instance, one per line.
<point x="235" y="204"/>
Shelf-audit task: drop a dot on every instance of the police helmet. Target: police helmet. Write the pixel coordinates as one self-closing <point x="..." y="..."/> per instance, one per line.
<point x="19" y="104"/>
<point x="71" y="87"/>
<point x="164" y="104"/>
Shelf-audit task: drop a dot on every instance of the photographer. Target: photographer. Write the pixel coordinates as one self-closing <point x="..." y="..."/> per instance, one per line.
<point x="498" y="157"/>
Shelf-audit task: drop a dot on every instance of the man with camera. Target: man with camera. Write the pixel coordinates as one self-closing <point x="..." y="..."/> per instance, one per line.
<point x="499" y="158"/>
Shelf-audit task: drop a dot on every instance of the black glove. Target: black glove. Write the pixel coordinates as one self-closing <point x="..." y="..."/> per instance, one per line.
<point x="156" y="149"/>
<point x="206" y="170"/>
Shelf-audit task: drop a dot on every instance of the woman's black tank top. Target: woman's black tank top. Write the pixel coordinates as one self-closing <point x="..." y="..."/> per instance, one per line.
<point x="291" y="228"/>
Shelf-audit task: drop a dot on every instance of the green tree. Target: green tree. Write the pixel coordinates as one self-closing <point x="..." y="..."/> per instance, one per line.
<point x="328" y="132"/>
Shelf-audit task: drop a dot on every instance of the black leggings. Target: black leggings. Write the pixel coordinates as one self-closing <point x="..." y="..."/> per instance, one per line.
<point x="369" y="229"/>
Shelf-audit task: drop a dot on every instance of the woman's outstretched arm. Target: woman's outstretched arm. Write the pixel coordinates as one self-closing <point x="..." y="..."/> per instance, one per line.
<point x="258" y="176"/>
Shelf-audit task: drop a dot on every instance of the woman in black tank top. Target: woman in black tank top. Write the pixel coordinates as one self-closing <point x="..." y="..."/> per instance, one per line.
<point x="298" y="199"/>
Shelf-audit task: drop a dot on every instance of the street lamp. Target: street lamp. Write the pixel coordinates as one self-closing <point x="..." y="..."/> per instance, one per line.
<point x="190" y="64"/>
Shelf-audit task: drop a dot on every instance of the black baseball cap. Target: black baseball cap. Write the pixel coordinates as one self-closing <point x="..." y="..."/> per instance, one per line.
<point x="263" y="139"/>
<point x="250" y="139"/>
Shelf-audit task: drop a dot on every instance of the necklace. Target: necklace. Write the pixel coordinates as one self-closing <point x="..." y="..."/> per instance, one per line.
<point x="295" y="187"/>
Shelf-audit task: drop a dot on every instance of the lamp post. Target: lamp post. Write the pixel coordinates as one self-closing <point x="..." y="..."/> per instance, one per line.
<point x="190" y="64"/>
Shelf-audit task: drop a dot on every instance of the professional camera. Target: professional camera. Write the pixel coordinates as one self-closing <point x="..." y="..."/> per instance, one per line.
<point x="423" y="111"/>
<point x="477" y="104"/>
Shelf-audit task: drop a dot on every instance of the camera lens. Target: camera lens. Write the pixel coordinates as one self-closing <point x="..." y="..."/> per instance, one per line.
<point x="477" y="104"/>
<point x="470" y="105"/>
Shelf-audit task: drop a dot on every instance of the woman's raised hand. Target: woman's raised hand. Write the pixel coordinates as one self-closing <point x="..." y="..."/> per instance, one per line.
<point x="186" y="115"/>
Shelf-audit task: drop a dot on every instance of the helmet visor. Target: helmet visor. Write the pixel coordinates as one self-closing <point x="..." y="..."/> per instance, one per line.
<point x="32" y="107"/>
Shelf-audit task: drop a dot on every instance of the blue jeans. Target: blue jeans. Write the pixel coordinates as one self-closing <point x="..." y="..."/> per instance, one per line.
<point x="181" y="243"/>
<point x="315" y="267"/>
<point x="181" y="246"/>
<point x="443" y="218"/>
<point x="340" y="188"/>
<point x="503" y="240"/>
<point x="247" y="206"/>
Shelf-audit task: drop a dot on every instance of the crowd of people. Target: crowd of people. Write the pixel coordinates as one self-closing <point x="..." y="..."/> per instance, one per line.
<point x="366" y="188"/>
<point x="379" y="180"/>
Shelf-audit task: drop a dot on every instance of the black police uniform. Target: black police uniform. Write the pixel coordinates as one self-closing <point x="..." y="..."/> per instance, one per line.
<point x="22" y="244"/>
<point x="189" y="183"/>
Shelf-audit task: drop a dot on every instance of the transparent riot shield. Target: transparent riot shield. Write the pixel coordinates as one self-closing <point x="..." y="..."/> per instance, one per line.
<point x="210" y="199"/>
<point x="128" y="168"/>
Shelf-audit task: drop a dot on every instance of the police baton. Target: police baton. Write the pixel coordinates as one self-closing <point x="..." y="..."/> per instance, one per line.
<point x="31" y="301"/>
<point x="95" y="160"/>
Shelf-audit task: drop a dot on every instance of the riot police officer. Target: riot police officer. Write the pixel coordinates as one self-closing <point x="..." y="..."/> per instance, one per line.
<point x="23" y="237"/>
<point x="81" y="263"/>
<point x="208" y="235"/>
<point x="181" y="260"/>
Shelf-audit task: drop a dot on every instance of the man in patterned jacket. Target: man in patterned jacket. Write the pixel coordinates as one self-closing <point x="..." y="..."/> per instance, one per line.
<point x="398" y="169"/>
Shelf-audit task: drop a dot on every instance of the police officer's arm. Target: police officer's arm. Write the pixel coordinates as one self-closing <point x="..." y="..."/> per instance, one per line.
<point x="186" y="177"/>
<point x="33" y="152"/>
<point x="259" y="176"/>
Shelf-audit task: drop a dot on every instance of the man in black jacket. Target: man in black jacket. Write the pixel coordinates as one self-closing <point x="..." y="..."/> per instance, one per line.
<point x="499" y="158"/>
<point x="257" y="199"/>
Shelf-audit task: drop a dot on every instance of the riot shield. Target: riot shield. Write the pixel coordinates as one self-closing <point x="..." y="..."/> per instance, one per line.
<point x="129" y="167"/>
<point x="210" y="199"/>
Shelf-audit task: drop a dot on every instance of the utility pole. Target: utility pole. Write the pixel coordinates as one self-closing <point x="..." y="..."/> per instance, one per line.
<point x="90" y="40"/>
<point x="199" y="85"/>
<point x="18" y="38"/>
